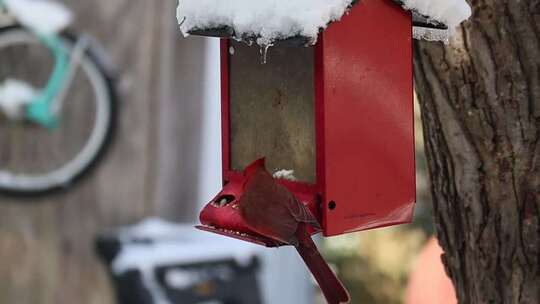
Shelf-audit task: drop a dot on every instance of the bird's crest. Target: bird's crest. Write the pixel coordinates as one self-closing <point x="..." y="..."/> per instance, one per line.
<point x="254" y="166"/>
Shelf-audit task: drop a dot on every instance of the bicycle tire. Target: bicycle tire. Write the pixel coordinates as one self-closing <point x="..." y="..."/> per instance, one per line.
<point x="94" y="57"/>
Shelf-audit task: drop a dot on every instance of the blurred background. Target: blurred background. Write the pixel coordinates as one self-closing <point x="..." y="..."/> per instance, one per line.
<point x="165" y="162"/>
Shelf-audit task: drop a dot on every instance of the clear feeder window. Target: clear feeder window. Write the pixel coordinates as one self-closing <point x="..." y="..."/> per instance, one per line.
<point x="273" y="109"/>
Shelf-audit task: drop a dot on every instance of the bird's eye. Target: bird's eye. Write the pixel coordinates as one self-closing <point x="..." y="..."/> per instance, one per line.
<point x="223" y="200"/>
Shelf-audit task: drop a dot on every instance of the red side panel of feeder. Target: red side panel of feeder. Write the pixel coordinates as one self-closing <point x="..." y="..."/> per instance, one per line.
<point x="365" y="97"/>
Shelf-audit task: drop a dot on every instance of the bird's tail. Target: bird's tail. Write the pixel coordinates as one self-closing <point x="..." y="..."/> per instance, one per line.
<point x="331" y="286"/>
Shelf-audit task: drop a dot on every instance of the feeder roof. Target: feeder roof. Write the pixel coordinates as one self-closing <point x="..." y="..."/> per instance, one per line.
<point x="275" y="20"/>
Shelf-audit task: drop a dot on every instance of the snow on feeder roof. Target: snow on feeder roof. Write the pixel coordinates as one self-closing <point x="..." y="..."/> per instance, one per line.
<point x="268" y="21"/>
<point x="450" y="13"/>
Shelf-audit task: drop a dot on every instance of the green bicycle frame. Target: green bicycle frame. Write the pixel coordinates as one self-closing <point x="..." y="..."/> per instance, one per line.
<point x="40" y="108"/>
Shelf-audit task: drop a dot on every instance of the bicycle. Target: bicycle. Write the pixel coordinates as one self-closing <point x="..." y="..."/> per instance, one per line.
<point x="57" y="99"/>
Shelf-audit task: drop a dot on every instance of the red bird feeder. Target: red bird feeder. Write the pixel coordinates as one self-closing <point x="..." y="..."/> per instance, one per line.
<point x="339" y="113"/>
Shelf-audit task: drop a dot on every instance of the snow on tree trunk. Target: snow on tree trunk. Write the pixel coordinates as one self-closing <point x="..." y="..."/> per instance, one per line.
<point x="480" y="100"/>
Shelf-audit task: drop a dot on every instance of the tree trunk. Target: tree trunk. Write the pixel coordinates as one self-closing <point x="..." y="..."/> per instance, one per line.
<point x="480" y="101"/>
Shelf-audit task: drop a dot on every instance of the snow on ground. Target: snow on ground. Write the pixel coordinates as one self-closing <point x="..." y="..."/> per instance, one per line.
<point x="271" y="20"/>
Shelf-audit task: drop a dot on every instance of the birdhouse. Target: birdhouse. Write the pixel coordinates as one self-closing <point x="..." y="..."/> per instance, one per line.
<point x="337" y="114"/>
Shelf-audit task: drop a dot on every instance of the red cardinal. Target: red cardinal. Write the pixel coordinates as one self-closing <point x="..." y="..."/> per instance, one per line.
<point x="271" y="210"/>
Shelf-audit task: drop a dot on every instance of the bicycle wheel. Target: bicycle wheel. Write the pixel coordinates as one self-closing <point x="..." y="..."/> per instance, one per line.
<point x="33" y="159"/>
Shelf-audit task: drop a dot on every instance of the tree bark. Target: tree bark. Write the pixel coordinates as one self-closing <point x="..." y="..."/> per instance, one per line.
<point x="480" y="101"/>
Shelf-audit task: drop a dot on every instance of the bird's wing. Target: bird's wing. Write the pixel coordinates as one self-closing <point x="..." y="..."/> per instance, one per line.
<point x="302" y="214"/>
